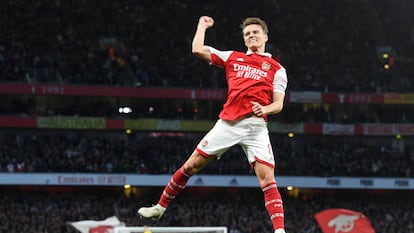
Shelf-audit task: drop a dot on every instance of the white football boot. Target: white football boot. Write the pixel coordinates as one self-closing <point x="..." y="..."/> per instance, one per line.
<point x="153" y="213"/>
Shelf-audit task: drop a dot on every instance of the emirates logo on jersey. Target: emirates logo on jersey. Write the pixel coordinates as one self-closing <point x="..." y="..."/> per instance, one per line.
<point x="265" y="66"/>
<point x="243" y="71"/>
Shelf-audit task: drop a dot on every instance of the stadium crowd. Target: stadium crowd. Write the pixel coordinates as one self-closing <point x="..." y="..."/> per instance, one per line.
<point x="325" y="45"/>
<point x="157" y="153"/>
<point x="35" y="210"/>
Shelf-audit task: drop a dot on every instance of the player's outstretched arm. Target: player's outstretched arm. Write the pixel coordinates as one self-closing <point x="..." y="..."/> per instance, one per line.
<point x="198" y="47"/>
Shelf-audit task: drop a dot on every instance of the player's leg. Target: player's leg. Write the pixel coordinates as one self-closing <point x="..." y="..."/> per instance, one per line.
<point x="176" y="184"/>
<point x="180" y="178"/>
<point x="210" y="148"/>
<point x="273" y="200"/>
<point x="259" y="152"/>
<point x="221" y="137"/>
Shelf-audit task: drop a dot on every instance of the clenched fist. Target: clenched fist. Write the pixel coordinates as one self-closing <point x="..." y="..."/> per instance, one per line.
<point x="206" y="22"/>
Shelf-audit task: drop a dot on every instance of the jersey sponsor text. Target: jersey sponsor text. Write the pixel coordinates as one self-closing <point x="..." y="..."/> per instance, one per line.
<point x="243" y="71"/>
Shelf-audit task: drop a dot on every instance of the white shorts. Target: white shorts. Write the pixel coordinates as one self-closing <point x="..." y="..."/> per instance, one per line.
<point x="250" y="133"/>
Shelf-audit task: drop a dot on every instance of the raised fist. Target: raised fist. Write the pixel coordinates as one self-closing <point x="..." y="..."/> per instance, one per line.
<point x="206" y="21"/>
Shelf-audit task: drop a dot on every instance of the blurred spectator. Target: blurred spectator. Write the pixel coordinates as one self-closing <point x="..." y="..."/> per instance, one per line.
<point x="157" y="153"/>
<point x="43" y="209"/>
<point x="325" y="45"/>
<point x="122" y="43"/>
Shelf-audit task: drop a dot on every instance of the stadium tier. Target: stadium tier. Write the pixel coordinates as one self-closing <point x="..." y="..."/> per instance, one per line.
<point x="101" y="101"/>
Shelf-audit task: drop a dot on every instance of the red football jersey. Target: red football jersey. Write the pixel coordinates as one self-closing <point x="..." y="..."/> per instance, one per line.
<point x="250" y="77"/>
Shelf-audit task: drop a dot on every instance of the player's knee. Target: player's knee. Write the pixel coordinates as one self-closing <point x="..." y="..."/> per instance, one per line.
<point x="264" y="173"/>
<point x="266" y="179"/>
<point x="192" y="167"/>
<point x="195" y="163"/>
<point x="189" y="169"/>
<point x="267" y="182"/>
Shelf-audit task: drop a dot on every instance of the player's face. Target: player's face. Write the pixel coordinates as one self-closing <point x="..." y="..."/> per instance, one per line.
<point x="254" y="37"/>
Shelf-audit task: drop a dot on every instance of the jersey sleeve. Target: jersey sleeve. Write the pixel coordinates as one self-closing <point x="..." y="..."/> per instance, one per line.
<point x="280" y="81"/>
<point x="218" y="57"/>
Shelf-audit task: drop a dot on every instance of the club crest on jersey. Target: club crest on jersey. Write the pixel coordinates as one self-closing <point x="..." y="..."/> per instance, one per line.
<point x="204" y="143"/>
<point x="265" y="66"/>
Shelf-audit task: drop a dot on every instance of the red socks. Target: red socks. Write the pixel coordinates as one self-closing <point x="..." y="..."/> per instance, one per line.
<point x="274" y="205"/>
<point x="174" y="187"/>
<point x="272" y="198"/>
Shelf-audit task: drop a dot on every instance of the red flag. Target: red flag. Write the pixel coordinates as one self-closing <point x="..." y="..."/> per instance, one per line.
<point x="102" y="229"/>
<point x="343" y="221"/>
<point x="92" y="226"/>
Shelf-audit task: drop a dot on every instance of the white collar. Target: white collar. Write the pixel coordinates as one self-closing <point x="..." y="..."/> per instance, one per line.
<point x="249" y="52"/>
